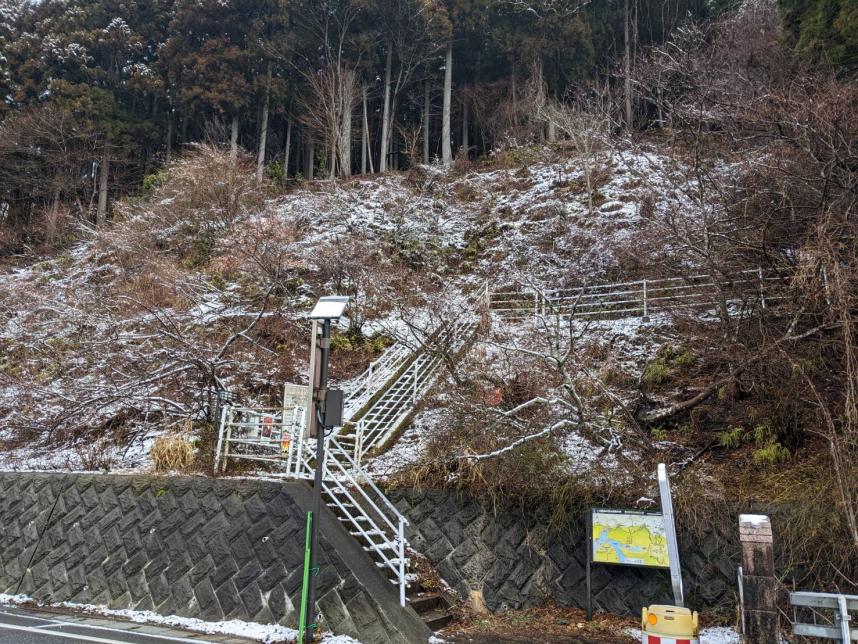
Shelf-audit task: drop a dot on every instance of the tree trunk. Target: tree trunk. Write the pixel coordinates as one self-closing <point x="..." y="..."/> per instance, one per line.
<point x="391" y="135"/>
<point x="552" y="132"/>
<point x="345" y="143"/>
<point x="363" y="137"/>
<point x="628" y="68"/>
<point x="332" y="156"/>
<point x="233" y="139"/>
<point x="263" y="128"/>
<point x="103" y="174"/>
<point x="427" y="106"/>
<point x="170" y="125"/>
<point x="465" y="126"/>
<point x="288" y="149"/>
<point x="366" y="133"/>
<point x="309" y="157"/>
<point x="385" y="115"/>
<point x="513" y="91"/>
<point x="446" y="152"/>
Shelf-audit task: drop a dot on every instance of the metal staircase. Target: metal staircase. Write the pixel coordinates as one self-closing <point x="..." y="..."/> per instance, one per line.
<point x="370" y="517"/>
<point x="374" y="426"/>
<point x="378" y="404"/>
<point x="376" y="376"/>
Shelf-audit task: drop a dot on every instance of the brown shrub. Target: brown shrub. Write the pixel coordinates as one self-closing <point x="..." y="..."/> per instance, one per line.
<point x="199" y="200"/>
<point x="172" y="453"/>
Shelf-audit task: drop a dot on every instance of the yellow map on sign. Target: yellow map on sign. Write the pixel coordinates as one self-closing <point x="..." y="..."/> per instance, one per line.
<point x="629" y="538"/>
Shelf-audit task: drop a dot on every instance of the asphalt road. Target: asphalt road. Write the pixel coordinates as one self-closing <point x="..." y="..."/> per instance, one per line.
<point x="24" y="626"/>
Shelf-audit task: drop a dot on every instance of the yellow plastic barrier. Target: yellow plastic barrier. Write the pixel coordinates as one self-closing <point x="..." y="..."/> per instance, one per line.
<point x="669" y="625"/>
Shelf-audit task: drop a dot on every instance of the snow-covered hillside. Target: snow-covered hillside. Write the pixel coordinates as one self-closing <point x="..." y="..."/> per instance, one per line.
<point x="124" y="335"/>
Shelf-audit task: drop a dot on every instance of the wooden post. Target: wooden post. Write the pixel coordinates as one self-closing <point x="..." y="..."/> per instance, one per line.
<point x="759" y="586"/>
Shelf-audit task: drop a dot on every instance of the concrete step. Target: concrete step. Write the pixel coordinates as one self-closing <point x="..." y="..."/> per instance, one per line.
<point x="437" y="619"/>
<point x="425" y="601"/>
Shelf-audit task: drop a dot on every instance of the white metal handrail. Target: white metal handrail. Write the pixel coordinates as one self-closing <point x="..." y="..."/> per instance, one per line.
<point x="840" y="604"/>
<point x="371" y="380"/>
<point x="397" y="403"/>
<point x="633" y="298"/>
<point x="349" y="481"/>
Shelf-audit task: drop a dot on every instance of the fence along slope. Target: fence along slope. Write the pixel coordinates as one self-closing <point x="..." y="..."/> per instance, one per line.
<point x="631" y="299"/>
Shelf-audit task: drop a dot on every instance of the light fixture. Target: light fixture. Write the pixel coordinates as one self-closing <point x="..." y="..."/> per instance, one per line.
<point x="330" y="307"/>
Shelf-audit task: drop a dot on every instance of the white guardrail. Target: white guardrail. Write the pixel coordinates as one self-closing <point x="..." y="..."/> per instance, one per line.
<point x="831" y="629"/>
<point x="371" y="380"/>
<point x="630" y="299"/>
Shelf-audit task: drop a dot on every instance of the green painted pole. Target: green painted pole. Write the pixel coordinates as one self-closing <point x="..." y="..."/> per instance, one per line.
<point x="306" y="585"/>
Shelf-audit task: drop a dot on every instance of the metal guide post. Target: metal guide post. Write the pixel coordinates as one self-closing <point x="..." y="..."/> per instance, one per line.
<point x="670" y="533"/>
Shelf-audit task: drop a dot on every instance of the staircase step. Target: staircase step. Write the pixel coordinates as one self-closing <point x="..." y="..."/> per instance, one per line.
<point x="437" y="619"/>
<point x="381" y="564"/>
<point x="336" y="490"/>
<point x="425" y="602"/>
<point x="368" y="533"/>
<point x="362" y="519"/>
<point x="378" y="546"/>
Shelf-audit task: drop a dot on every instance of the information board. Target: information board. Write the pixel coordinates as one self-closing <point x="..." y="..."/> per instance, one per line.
<point x="629" y="538"/>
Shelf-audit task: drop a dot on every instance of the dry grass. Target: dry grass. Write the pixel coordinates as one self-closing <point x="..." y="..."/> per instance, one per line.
<point x="551" y="622"/>
<point x="172" y="453"/>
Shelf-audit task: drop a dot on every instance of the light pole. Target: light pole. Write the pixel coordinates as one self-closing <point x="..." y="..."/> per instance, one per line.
<point x="327" y="413"/>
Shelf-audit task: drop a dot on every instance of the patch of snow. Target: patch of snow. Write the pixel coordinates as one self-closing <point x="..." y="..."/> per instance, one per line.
<point x="410" y="446"/>
<point x="251" y="630"/>
<point x="711" y="635"/>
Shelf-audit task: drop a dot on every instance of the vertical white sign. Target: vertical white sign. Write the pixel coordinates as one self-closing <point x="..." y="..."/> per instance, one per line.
<point x="670" y="532"/>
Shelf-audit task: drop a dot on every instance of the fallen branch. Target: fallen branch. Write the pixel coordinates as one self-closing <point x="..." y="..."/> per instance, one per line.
<point x="518" y="442"/>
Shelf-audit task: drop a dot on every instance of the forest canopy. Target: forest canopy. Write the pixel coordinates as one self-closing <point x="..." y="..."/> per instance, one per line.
<point x="99" y="94"/>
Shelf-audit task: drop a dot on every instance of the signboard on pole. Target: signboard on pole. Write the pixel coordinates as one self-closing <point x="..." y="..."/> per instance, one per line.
<point x="635" y="538"/>
<point x="629" y="538"/>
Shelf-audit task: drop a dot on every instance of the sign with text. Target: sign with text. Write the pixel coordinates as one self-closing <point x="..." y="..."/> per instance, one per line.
<point x="629" y="538"/>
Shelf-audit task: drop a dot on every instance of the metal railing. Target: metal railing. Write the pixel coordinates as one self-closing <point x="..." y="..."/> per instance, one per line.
<point x="380" y="422"/>
<point x="376" y="375"/>
<point x="262" y="434"/>
<point x="637" y="298"/>
<point x="372" y="518"/>
<point x="832" y="629"/>
<point x="278" y="436"/>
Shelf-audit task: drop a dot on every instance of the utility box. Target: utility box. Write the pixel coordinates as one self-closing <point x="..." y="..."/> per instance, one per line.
<point x="669" y="625"/>
<point x="334" y="407"/>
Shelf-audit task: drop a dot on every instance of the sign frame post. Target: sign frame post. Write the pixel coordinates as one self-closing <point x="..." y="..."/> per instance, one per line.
<point x="663" y="554"/>
<point x="589" y="523"/>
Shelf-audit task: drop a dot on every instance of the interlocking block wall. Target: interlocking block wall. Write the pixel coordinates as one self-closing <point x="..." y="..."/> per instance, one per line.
<point x="194" y="547"/>
<point x="512" y="562"/>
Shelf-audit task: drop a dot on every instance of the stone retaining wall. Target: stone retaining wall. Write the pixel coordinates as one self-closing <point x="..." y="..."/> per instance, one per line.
<point x="194" y="547"/>
<point x="506" y="561"/>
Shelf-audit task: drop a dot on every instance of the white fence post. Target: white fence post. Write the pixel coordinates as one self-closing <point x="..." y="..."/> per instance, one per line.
<point x="223" y="413"/>
<point x="645" y="303"/>
<point x="762" y="292"/>
<point x="401" y="538"/>
<point x="359" y="441"/>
